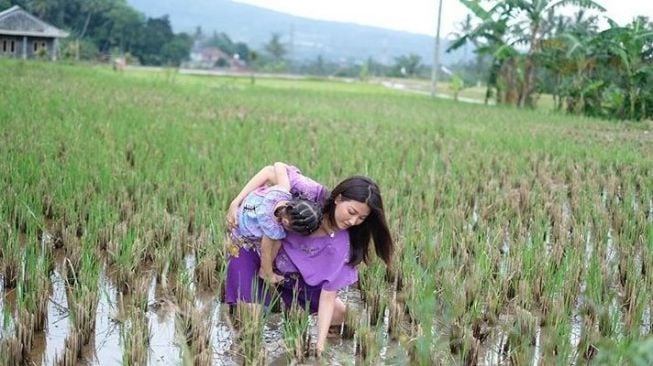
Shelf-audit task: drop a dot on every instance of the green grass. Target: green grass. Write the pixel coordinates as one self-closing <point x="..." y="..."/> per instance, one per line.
<point x="490" y="206"/>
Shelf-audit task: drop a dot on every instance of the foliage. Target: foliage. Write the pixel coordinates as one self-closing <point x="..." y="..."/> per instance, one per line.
<point x="111" y="25"/>
<point x="275" y="48"/>
<point x="534" y="50"/>
<point x="407" y="65"/>
<point x="502" y="218"/>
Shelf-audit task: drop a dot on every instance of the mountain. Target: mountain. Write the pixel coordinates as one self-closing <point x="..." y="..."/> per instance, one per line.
<point x="306" y="38"/>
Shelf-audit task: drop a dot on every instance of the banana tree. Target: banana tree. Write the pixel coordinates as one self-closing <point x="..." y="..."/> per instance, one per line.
<point x="566" y="55"/>
<point x="629" y="51"/>
<point x="533" y="13"/>
<point x="489" y="37"/>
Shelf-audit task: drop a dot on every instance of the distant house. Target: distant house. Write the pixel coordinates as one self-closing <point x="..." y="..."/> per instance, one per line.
<point x="212" y="57"/>
<point x="24" y="35"/>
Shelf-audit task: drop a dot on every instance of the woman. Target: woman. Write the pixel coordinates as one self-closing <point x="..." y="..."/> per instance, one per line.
<point x="317" y="266"/>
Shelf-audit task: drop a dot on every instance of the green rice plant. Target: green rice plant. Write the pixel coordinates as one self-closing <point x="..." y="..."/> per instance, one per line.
<point x="352" y="322"/>
<point x="374" y="291"/>
<point x="72" y="349"/>
<point x="520" y="341"/>
<point x="10" y="255"/>
<point x="555" y="343"/>
<point x="83" y="297"/>
<point x="19" y="344"/>
<point x="463" y="345"/>
<point x="295" y="330"/>
<point x="630" y="352"/>
<point x="209" y="271"/>
<point x="551" y="212"/>
<point x="248" y="323"/>
<point x="126" y="257"/>
<point x="193" y="323"/>
<point x="369" y="342"/>
<point x="11" y="351"/>
<point x="36" y="282"/>
<point x="135" y="332"/>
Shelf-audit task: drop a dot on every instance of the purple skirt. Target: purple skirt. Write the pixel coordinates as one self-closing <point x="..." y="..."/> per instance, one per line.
<point x="244" y="285"/>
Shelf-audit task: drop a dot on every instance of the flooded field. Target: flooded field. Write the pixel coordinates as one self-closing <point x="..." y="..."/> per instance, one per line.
<point x="521" y="238"/>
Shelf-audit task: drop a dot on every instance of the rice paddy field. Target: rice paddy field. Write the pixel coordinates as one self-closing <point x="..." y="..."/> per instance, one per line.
<point x="523" y="238"/>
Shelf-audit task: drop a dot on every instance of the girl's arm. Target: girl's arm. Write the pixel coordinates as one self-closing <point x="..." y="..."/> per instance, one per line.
<point x="266" y="175"/>
<point x="281" y="175"/>
<point x="324" y="315"/>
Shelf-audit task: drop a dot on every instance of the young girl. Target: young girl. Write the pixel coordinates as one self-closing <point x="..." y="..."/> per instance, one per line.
<point x="264" y="217"/>
<point x="317" y="266"/>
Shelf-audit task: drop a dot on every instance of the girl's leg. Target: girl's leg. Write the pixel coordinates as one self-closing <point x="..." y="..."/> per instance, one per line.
<point x="242" y="283"/>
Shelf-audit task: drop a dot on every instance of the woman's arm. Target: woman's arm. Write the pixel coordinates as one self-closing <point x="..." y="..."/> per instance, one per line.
<point x="324" y="315"/>
<point x="266" y="175"/>
<point x="269" y="250"/>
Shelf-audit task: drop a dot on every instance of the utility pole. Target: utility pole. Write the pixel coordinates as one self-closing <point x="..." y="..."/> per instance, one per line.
<point x="436" y="53"/>
<point x="291" y="48"/>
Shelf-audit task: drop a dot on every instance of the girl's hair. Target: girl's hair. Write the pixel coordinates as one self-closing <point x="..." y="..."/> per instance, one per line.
<point x="364" y="190"/>
<point x="304" y="216"/>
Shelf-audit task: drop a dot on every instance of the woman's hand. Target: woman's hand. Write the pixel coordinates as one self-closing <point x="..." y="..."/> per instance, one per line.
<point x="324" y="315"/>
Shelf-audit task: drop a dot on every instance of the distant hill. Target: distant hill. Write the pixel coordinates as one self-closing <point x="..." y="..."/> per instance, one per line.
<point x="309" y="38"/>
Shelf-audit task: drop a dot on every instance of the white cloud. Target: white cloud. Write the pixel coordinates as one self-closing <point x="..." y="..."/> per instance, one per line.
<point x="418" y="16"/>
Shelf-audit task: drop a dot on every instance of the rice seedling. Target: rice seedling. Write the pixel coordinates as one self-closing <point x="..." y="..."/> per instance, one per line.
<point x="126" y="256"/>
<point x="374" y="291"/>
<point x="295" y="329"/>
<point x="248" y="323"/>
<point x="135" y="331"/>
<point x="552" y="216"/>
<point x="11" y="257"/>
<point x="83" y="296"/>
<point x="352" y="322"/>
<point x="194" y="323"/>
<point x="35" y="283"/>
<point x="209" y="271"/>
<point x="369" y="341"/>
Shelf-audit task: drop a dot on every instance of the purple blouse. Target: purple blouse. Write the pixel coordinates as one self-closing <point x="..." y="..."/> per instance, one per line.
<point x="321" y="260"/>
<point x="306" y="186"/>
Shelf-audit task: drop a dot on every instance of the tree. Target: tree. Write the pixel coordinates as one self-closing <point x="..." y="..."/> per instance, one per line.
<point x="629" y="52"/>
<point x="534" y="12"/>
<point x="177" y="50"/>
<point x="490" y="36"/>
<point x="566" y="56"/>
<point x="407" y="65"/>
<point x="275" y="48"/>
<point x="510" y="23"/>
<point x="155" y="34"/>
<point x="243" y="51"/>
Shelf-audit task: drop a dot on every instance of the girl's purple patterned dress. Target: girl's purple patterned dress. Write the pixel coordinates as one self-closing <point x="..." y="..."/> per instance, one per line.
<point x="309" y="263"/>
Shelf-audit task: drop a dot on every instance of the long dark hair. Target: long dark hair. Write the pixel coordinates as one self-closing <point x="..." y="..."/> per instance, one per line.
<point x="364" y="190"/>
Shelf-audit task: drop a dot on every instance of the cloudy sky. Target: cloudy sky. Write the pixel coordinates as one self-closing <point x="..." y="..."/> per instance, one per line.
<point x="417" y="16"/>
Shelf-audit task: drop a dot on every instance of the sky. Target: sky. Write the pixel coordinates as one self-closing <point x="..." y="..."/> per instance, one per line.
<point x="418" y="16"/>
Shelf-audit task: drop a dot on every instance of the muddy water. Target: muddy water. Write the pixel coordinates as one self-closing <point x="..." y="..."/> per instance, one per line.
<point x="105" y="348"/>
